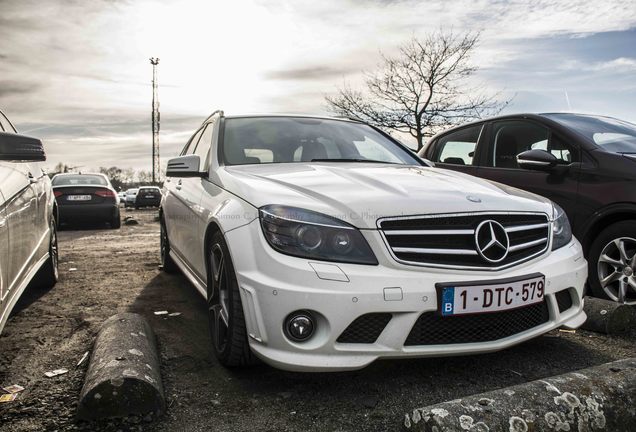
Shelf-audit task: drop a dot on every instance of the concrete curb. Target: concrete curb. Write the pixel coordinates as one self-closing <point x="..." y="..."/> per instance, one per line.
<point x="123" y="375"/>
<point x="604" y="316"/>
<point x="600" y="398"/>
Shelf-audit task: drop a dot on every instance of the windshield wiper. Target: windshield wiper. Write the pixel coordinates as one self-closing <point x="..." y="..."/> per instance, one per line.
<point x="352" y="160"/>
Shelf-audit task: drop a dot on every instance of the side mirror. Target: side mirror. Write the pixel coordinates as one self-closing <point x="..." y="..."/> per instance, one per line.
<point x="185" y="166"/>
<point x="539" y="160"/>
<point x="14" y="147"/>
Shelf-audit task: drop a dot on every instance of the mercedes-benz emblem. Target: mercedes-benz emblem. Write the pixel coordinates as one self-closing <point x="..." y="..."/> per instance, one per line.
<point x="491" y="240"/>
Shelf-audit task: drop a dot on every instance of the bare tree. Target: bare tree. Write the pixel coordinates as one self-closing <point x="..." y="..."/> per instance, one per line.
<point x="422" y="90"/>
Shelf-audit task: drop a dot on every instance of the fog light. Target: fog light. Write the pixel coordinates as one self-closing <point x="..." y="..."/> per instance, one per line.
<point x="299" y="326"/>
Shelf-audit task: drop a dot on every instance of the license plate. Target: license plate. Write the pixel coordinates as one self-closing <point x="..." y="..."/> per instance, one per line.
<point x="492" y="297"/>
<point x="150" y="196"/>
<point x="79" y="198"/>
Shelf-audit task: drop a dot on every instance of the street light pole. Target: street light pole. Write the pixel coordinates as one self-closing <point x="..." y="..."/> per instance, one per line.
<point x="156" y="173"/>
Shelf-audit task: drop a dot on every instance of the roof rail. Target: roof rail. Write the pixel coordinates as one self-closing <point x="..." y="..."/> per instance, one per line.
<point x="220" y="112"/>
<point x="351" y="118"/>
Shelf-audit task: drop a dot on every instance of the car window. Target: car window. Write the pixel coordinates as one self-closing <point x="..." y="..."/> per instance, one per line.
<point x="191" y="145"/>
<point x="203" y="146"/>
<point x="509" y="138"/>
<point x="458" y="148"/>
<point x="253" y="140"/>
<point x="610" y="134"/>
<point x="85" y="180"/>
<point x="5" y="125"/>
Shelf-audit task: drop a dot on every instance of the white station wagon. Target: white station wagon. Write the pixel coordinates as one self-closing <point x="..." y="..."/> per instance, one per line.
<point x="323" y="244"/>
<point x="28" y="238"/>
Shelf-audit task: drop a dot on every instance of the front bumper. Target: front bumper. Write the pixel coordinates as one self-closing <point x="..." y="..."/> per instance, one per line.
<point x="273" y="285"/>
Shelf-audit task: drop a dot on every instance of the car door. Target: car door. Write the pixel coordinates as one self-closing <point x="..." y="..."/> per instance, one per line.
<point x="182" y="205"/>
<point x="21" y="212"/>
<point x="508" y="138"/>
<point x="174" y="209"/>
<point x="4" y="252"/>
<point x="457" y="149"/>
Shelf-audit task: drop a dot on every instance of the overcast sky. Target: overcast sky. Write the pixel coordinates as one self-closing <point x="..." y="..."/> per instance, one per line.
<point x="76" y="73"/>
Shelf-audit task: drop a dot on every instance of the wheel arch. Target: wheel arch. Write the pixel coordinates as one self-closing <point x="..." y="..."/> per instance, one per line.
<point x="606" y="217"/>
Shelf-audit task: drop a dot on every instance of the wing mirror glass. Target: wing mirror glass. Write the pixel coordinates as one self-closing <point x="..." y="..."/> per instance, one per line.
<point x="539" y="160"/>
<point x="21" y="148"/>
<point x="185" y="166"/>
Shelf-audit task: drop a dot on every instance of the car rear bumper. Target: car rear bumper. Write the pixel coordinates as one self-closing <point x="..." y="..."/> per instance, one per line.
<point x="154" y="202"/>
<point x="273" y="285"/>
<point x="88" y="212"/>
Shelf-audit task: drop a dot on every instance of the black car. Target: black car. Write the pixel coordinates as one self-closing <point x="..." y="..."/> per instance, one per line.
<point x="584" y="163"/>
<point x="148" y="196"/>
<point x="86" y="198"/>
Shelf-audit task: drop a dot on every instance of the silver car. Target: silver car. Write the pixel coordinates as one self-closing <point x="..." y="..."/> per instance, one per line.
<point x="28" y="238"/>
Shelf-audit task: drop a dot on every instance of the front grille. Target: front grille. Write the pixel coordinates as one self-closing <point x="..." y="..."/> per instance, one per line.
<point x="365" y="329"/>
<point x="449" y="240"/>
<point x="433" y="329"/>
<point x="564" y="300"/>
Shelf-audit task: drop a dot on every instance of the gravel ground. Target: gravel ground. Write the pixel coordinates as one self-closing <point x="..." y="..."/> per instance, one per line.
<point x="104" y="272"/>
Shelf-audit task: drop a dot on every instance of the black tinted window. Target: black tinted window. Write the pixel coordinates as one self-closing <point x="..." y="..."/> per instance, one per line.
<point x="609" y="133"/>
<point x="509" y="138"/>
<point x="458" y="147"/>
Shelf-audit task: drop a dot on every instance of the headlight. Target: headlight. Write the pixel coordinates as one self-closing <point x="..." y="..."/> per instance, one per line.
<point x="307" y="234"/>
<point x="561" y="230"/>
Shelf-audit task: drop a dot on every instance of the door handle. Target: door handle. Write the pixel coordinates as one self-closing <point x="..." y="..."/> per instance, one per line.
<point x="179" y="183"/>
<point x="178" y="188"/>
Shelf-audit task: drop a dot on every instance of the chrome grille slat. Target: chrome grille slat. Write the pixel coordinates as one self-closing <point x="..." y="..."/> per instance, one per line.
<point x="449" y="240"/>
<point x="435" y="251"/>
<point x="430" y="232"/>
<point x="526" y="227"/>
<point x="527" y="245"/>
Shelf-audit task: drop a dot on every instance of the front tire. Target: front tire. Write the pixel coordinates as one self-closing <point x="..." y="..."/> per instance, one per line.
<point x="612" y="263"/>
<point x="225" y="309"/>
<point x="167" y="263"/>
<point x="48" y="275"/>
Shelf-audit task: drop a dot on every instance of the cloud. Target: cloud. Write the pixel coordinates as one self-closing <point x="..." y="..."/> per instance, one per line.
<point x="309" y="73"/>
<point x="77" y="73"/>
<point x="617" y="65"/>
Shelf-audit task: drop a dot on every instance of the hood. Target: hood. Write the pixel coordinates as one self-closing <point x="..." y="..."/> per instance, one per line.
<point x="360" y="193"/>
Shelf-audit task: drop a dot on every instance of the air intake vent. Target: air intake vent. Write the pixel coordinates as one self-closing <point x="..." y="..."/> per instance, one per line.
<point x="433" y="329"/>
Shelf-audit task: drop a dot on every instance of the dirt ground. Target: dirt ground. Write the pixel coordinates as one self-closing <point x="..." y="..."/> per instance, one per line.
<point x="103" y="272"/>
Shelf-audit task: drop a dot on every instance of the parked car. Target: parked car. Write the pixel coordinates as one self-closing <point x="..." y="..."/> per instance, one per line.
<point x="122" y="197"/>
<point x="86" y="198"/>
<point x="148" y="196"/>
<point x="131" y="196"/>
<point x="28" y="238"/>
<point x="323" y="244"/>
<point x="585" y="163"/>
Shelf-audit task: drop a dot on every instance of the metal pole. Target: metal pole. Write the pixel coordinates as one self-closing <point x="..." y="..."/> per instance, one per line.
<point x="156" y="174"/>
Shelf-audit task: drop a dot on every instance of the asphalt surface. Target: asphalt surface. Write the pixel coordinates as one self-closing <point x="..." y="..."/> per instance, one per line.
<point x="105" y="271"/>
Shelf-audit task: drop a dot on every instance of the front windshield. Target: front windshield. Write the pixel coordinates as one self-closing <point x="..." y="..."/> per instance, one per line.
<point x="609" y="133"/>
<point x="260" y="140"/>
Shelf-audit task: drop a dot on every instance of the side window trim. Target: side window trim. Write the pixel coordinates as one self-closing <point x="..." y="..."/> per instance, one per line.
<point x="196" y="136"/>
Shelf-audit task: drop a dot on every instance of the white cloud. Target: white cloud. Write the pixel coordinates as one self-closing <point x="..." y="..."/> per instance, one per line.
<point x="71" y="63"/>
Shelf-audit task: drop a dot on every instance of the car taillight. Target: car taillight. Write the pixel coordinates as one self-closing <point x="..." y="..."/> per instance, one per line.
<point x="58" y="193"/>
<point x="107" y="193"/>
